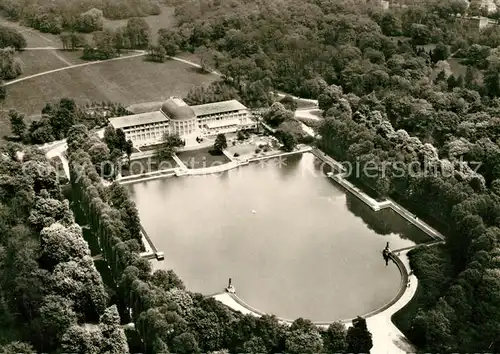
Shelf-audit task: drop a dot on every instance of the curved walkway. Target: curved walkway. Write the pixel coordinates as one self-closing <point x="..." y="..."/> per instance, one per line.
<point x="387" y="338"/>
<point x="71" y="67"/>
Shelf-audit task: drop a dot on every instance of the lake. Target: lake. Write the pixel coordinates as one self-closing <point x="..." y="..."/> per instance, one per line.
<point x="293" y="242"/>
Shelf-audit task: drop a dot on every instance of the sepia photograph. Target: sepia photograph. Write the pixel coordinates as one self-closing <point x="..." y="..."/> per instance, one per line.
<point x="249" y="176"/>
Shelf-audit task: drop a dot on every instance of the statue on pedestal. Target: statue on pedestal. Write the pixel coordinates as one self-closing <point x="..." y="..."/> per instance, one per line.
<point x="386" y="253"/>
<point x="230" y="288"/>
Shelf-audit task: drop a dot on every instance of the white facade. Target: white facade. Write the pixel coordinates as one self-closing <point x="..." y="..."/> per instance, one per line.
<point x="190" y="123"/>
<point x="225" y="121"/>
<point x="143" y="129"/>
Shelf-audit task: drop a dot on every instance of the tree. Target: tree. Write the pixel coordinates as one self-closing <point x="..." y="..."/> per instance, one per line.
<point x="47" y="211"/>
<point x="185" y="343"/>
<point x="171" y="48"/>
<point x="441" y="52"/>
<point x="56" y="315"/>
<point x="420" y="34"/>
<point x="220" y="144"/>
<point x="168" y="146"/>
<point x="303" y="337"/>
<point x="61" y="116"/>
<point x="207" y="327"/>
<point x="103" y="45"/>
<point x="330" y="96"/>
<point x="10" y="37"/>
<point x="17" y="124"/>
<point x="121" y="39"/>
<point x="81" y="282"/>
<point x="359" y="339"/>
<point x="110" y="137"/>
<point x="206" y="56"/>
<point x="390" y="24"/>
<point x="254" y="345"/>
<point x="114" y="340"/>
<point x="121" y="140"/>
<point x="287" y="139"/>
<point x="60" y="244"/>
<point x="17" y="348"/>
<point x="3" y="90"/>
<point x="334" y="338"/>
<point x="272" y="332"/>
<point x="492" y="82"/>
<point x="289" y="103"/>
<point x="167" y="280"/>
<point x="10" y="66"/>
<point x="138" y="32"/>
<point x="81" y="340"/>
<point x="129" y="149"/>
<point x="181" y="299"/>
<point x="277" y="114"/>
<point x="90" y="21"/>
<point x="157" y="53"/>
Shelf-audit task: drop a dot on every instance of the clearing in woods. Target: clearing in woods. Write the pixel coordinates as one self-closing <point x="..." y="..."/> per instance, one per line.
<point x="128" y="81"/>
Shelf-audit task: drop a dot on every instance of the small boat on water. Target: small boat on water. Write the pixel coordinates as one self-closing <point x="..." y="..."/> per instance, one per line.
<point x="254" y="211"/>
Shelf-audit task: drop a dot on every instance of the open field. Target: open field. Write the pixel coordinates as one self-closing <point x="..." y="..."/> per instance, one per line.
<point x="36" y="61"/>
<point x="201" y="158"/>
<point x="189" y="56"/>
<point x="165" y="20"/>
<point x="126" y="81"/>
<point x="304" y="103"/>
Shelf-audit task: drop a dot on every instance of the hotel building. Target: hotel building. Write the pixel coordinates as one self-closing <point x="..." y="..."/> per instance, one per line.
<point x="190" y="122"/>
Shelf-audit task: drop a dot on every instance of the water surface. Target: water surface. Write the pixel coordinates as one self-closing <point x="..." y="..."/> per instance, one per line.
<point x="292" y="241"/>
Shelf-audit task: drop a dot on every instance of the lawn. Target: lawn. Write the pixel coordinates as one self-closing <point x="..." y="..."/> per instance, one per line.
<point x="165" y="20"/>
<point x="201" y="158"/>
<point x="127" y="81"/>
<point x="247" y="148"/>
<point x="37" y="61"/>
<point x="190" y="57"/>
<point x="304" y="103"/>
<point x="148" y="164"/>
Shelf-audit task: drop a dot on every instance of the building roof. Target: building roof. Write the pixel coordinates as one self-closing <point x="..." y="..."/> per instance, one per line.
<point x="176" y="108"/>
<point x="217" y="107"/>
<point x="136" y="119"/>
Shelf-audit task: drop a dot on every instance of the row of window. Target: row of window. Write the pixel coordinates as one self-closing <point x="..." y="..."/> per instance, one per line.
<point x="146" y="136"/>
<point x="220" y="116"/>
<point x="145" y="128"/>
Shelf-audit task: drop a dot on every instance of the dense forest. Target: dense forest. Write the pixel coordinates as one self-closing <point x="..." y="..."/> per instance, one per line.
<point x="390" y="96"/>
<point x="52" y="296"/>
